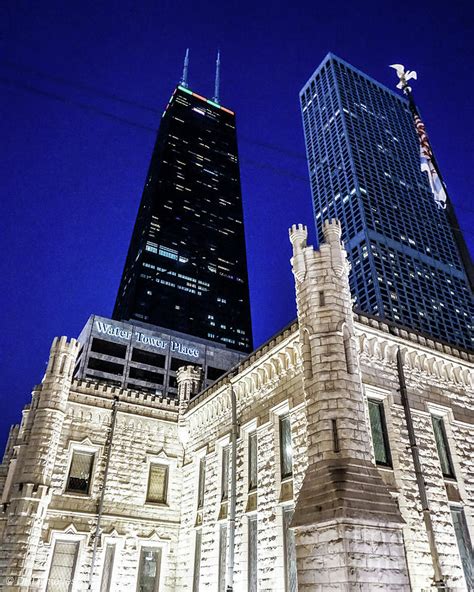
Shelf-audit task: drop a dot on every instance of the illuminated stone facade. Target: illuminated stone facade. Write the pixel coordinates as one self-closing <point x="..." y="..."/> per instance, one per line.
<point x="312" y="509"/>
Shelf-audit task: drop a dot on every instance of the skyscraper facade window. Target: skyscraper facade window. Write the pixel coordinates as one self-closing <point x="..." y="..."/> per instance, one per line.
<point x="364" y="167"/>
<point x="186" y="267"/>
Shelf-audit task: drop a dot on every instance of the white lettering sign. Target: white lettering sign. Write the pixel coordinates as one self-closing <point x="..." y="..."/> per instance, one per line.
<point x="139" y="337"/>
<point x="184" y="349"/>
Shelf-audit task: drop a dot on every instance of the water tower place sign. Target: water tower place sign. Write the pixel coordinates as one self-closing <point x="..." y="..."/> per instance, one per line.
<point x="138" y="337"/>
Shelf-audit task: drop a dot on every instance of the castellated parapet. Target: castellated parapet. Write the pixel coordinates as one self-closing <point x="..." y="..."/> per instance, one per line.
<point x="317" y="377"/>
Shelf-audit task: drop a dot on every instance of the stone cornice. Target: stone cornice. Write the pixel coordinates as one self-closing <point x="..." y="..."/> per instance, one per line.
<point x="281" y="356"/>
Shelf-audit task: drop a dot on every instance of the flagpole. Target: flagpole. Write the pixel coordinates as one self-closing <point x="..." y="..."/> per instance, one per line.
<point x="450" y="213"/>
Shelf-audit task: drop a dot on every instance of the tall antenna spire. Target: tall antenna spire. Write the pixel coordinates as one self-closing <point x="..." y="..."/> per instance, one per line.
<point x="184" y="77"/>
<point x="217" y="83"/>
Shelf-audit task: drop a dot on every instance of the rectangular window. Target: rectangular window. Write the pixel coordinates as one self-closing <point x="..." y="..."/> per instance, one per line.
<point x="225" y="473"/>
<point x="252" y="551"/>
<point x="80" y="472"/>
<point x="286" y="450"/>
<point x="108" y="568"/>
<point x="252" y="461"/>
<point x="379" y="433"/>
<point x="63" y="564"/>
<point x="464" y="544"/>
<point x="157" y="483"/>
<point x="197" y="561"/>
<point x="222" y="557"/>
<point x="202" y="482"/>
<point x="291" y="584"/>
<point x="149" y="570"/>
<point x="443" y="447"/>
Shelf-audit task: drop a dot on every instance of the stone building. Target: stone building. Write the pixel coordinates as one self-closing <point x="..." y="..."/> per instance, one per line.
<point x="296" y="470"/>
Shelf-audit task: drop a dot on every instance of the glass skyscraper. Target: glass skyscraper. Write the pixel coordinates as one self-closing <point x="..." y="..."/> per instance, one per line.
<point x="186" y="267"/>
<point x="364" y="166"/>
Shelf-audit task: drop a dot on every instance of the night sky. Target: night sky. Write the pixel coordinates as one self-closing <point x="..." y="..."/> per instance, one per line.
<point x="83" y="86"/>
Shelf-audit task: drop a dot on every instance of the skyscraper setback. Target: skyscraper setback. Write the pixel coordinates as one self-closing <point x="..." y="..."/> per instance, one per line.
<point x="186" y="267"/>
<point x="364" y="166"/>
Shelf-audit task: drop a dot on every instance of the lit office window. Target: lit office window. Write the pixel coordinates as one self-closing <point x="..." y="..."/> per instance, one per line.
<point x="443" y="447"/>
<point x="108" y="568"/>
<point x="379" y="434"/>
<point x="157" y="483"/>
<point x="197" y="560"/>
<point x="291" y="583"/>
<point x="286" y="450"/>
<point x="252" y="554"/>
<point x="222" y="557"/>
<point x="80" y="472"/>
<point x="63" y="564"/>
<point x="252" y="461"/>
<point x="464" y="544"/>
<point x="202" y="482"/>
<point x="149" y="570"/>
<point x="225" y="473"/>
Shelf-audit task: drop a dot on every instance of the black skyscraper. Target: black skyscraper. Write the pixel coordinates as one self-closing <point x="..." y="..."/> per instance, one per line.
<point x="186" y="266"/>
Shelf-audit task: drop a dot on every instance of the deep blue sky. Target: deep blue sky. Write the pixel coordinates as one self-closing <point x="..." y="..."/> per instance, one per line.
<point x="72" y="178"/>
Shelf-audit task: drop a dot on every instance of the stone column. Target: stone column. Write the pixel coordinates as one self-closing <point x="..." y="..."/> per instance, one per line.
<point x="348" y="528"/>
<point x="189" y="384"/>
<point x="31" y="491"/>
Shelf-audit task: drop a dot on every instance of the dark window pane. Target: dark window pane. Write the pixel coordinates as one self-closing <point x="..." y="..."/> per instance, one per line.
<point x="178" y="363"/>
<point x="286" y="451"/>
<point x="105" y="366"/>
<point x="80" y="472"/>
<point x="443" y="447"/>
<point x="214" y="373"/>
<point x="108" y="348"/>
<point x="146" y="375"/>
<point x="145" y="357"/>
<point x="379" y="433"/>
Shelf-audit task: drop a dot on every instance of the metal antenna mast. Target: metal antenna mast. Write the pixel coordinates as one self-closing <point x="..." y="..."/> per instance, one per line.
<point x="216" y="97"/>
<point x="184" y="77"/>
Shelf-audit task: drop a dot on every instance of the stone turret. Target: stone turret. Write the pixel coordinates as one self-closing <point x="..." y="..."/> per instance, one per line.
<point x="30" y="491"/>
<point x="348" y="528"/>
<point x="189" y="383"/>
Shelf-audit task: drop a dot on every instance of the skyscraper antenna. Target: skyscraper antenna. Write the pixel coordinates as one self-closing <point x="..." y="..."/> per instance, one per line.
<point x="184" y="77"/>
<point x="217" y="83"/>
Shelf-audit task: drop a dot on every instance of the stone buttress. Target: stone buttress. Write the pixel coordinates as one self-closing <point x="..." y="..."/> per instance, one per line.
<point x="30" y="491"/>
<point x="348" y="528"/>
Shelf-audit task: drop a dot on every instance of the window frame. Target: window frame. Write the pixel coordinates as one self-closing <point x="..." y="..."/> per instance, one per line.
<point x="160" y="459"/>
<point x="252" y="483"/>
<point x="447" y="448"/>
<point x="380" y="403"/>
<point x="150" y="545"/>
<point x="166" y="466"/>
<point x="282" y="419"/>
<point x="81" y="448"/>
<point x="69" y="535"/>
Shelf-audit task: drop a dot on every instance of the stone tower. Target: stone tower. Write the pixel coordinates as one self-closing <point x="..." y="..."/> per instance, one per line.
<point x="348" y="528"/>
<point x="30" y="490"/>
